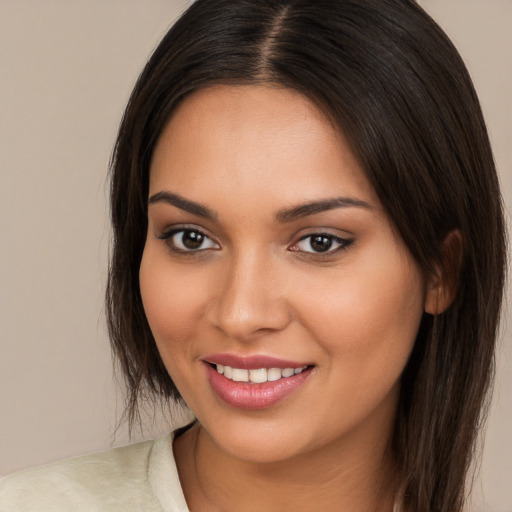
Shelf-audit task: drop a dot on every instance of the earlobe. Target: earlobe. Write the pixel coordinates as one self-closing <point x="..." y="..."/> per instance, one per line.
<point x="442" y="285"/>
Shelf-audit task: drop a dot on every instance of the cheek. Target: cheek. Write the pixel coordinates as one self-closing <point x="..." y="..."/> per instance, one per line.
<point x="172" y="303"/>
<point x="367" y="316"/>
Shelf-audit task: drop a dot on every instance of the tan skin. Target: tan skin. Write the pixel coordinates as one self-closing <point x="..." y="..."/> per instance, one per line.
<point x="257" y="284"/>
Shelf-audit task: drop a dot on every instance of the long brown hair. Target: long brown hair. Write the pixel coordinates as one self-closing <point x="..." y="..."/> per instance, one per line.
<point x="397" y="88"/>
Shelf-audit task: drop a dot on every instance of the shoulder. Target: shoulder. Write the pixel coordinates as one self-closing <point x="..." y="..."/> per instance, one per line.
<point x="117" y="479"/>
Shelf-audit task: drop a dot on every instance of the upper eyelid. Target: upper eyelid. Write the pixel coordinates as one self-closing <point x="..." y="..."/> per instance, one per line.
<point x="337" y="238"/>
<point x="176" y="228"/>
<point x="332" y="232"/>
<point x="172" y="230"/>
<point x="325" y="229"/>
<point x="319" y="232"/>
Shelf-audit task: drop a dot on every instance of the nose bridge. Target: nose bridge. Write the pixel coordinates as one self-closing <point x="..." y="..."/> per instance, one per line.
<point x="250" y="297"/>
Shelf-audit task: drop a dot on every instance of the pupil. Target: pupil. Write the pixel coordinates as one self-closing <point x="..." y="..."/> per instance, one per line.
<point x="192" y="239"/>
<point x="321" y="243"/>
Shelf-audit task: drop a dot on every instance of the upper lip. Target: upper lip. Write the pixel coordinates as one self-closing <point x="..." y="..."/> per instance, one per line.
<point x="252" y="362"/>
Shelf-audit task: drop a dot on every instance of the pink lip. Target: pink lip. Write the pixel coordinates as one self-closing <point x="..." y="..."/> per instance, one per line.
<point x="251" y="362"/>
<point x="250" y="396"/>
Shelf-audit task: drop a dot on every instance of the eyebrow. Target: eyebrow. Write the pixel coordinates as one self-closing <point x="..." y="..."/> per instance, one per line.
<point x="303" y="210"/>
<point x="283" y="216"/>
<point x="183" y="204"/>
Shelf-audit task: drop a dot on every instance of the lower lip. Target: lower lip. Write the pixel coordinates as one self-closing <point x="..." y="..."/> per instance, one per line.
<point x="246" y="395"/>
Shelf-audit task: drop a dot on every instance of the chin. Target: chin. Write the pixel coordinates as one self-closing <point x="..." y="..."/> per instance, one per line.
<point x="260" y="442"/>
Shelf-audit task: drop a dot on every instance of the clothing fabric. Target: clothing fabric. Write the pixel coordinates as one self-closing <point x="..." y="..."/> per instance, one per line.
<point x="140" y="477"/>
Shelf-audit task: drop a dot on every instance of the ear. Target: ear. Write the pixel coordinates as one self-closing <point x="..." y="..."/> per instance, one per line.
<point x="443" y="283"/>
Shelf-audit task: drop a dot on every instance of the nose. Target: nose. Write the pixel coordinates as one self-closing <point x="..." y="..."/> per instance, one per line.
<point x="249" y="300"/>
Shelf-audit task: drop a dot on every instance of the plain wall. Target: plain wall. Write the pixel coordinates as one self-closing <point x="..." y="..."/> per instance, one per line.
<point x="66" y="70"/>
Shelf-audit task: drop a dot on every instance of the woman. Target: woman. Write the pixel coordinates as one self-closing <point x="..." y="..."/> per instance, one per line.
<point x="309" y="251"/>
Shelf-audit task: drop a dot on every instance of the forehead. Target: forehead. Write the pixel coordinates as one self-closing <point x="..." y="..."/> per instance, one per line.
<point x="255" y="139"/>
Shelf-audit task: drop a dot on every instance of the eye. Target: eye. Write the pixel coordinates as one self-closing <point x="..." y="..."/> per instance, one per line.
<point x="319" y="243"/>
<point x="188" y="240"/>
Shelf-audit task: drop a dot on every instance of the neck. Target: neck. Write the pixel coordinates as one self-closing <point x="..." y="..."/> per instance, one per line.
<point x="349" y="475"/>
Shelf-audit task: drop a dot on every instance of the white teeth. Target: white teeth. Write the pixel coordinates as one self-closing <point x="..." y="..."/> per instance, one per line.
<point x="228" y="372"/>
<point x="240" y="375"/>
<point x="258" y="376"/>
<point x="274" y="374"/>
<point x="288" y="372"/>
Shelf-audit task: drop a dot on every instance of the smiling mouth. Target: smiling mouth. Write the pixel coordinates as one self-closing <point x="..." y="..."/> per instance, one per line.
<point x="260" y="385"/>
<point x="257" y="376"/>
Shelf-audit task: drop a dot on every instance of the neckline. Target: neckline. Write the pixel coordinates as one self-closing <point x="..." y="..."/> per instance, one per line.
<point x="163" y="475"/>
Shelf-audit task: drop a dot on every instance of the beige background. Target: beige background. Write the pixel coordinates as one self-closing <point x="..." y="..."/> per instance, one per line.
<point x="66" y="69"/>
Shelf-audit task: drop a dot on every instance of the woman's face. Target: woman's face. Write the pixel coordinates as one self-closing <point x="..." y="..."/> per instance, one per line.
<point x="269" y="254"/>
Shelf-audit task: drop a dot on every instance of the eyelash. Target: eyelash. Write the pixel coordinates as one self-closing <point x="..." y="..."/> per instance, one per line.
<point x="168" y="236"/>
<point x="343" y="244"/>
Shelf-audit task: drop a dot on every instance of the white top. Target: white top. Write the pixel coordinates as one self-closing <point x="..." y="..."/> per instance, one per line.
<point x="140" y="477"/>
